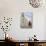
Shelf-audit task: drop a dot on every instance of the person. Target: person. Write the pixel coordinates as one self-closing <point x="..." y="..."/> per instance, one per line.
<point x="29" y="23"/>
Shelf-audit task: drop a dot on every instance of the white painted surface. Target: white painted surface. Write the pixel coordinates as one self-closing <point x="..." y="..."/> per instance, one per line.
<point x="13" y="8"/>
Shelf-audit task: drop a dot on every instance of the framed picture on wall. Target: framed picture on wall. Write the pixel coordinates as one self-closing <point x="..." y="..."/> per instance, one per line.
<point x="26" y="20"/>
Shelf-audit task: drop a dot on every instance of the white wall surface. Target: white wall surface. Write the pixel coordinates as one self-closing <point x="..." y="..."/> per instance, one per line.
<point x="13" y="8"/>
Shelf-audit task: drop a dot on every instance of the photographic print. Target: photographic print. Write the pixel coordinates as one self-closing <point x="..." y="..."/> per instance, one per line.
<point x="26" y="20"/>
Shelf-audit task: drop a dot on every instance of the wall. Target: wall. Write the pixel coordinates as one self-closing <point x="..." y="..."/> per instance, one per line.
<point x="13" y="8"/>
